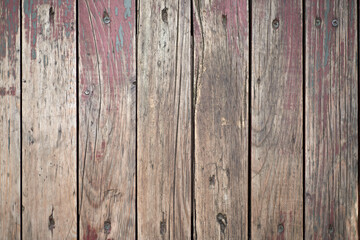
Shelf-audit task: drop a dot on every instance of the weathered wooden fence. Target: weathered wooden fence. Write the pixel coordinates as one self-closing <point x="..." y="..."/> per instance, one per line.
<point x="187" y="119"/>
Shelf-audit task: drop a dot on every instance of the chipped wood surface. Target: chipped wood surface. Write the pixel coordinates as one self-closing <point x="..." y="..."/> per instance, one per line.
<point x="277" y="120"/>
<point x="164" y="120"/>
<point x="107" y="102"/>
<point x="221" y="80"/>
<point x="49" y="120"/>
<point x="332" y="155"/>
<point x="10" y="119"/>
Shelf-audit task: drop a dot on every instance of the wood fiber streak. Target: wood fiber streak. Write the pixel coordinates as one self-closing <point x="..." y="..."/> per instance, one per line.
<point x="332" y="155"/>
<point x="277" y="120"/>
<point x="10" y="119"/>
<point x="221" y="98"/>
<point x="164" y="120"/>
<point x="107" y="98"/>
<point x="49" y="120"/>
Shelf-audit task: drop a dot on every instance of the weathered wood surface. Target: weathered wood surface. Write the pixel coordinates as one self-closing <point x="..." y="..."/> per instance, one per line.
<point x="277" y="120"/>
<point x="49" y="120"/>
<point x="10" y="119"/>
<point x="332" y="187"/>
<point x="167" y="117"/>
<point x="164" y="120"/>
<point x="221" y="81"/>
<point x="107" y="94"/>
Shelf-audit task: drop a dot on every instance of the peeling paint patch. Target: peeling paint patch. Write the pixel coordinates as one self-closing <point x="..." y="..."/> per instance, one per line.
<point x="120" y="39"/>
<point x="127" y="5"/>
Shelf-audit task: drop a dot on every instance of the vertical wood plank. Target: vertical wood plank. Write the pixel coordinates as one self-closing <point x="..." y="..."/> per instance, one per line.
<point x="164" y="120"/>
<point x="49" y="119"/>
<point x="332" y="191"/>
<point x="10" y="119"/>
<point x="107" y="119"/>
<point x="277" y="120"/>
<point x="221" y="72"/>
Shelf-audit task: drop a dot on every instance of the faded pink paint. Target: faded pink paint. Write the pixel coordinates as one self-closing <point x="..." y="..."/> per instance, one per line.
<point x="98" y="40"/>
<point x="291" y="36"/>
<point x="236" y="14"/>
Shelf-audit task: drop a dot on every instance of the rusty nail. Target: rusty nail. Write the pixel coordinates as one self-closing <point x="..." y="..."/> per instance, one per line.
<point x="275" y="24"/>
<point x="317" y="22"/>
<point x="106" y="18"/>
<point x="335" y="22"/>
<point x="107" y="226"/>
<point x="87" y="92"/>
<point x="280" y="228"/>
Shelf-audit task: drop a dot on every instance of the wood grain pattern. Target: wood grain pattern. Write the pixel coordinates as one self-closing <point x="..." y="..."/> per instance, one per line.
<point x="164" y="120"/>
<point x="49" y="120"/>
<point x="221" y="72"/>
<point x="107" y="119"/>
<point x="277" y="120"/>
<point x="332" y="187"/>
<point x="10" y="119"/>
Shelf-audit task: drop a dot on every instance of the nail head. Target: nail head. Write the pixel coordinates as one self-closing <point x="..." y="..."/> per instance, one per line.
<point x="106" y="18"/>
<point x="87" y="92"/>
<point x="335" y="23"/>
<point x="275" y="23"/>
<point x="318" y="22"/>
<point x="280" y="228"/>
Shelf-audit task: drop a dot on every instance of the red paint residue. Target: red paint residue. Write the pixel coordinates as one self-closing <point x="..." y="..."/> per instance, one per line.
<point x="9" y="28"/>
<point x="100" y="153"/>
<point x="10" y="92"/>
<point x="90" y="234"/>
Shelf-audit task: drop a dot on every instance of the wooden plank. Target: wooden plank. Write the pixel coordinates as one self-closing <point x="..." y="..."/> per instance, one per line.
<point x="221" y="64"/>
<point x="164" y="120"/>
<point x="332" y="187"/>
<point x="107" y="119"/>
<point x="49" y="120"/>
<point x="277" y="120"/>
<point x="10" y="119"/>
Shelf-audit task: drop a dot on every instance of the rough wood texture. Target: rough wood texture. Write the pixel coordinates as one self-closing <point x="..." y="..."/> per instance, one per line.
<point x="277" y="120"/>
<point x="221" y="44"/>
<point x="10" y="119"/>
<point x="49" y="120"/>
<point x="107" y="119"/>
<point x="331" y="188"/>
<point x="164" y="120"/>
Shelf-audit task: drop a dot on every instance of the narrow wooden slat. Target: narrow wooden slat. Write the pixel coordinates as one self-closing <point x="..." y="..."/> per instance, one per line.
<point x="10" y="119"/>
<point x="164" y="120"/>
<point x="221" y="64"/>
<point x="277" y="120"/>
<point x="49" y="119"/>
<point x="331" y="189"/>
<point x="107" y="111"/>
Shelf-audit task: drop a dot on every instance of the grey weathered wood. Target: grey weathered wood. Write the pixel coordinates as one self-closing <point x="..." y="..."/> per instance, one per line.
<point x="277" y="120"/>
<point x="332" y="155"/>
<point x="221" y="72"/>
<point x="107" y="111"/>
<point x="49" y="120"/>
<point x="164" y="120"/>
<point x="10" y="119"/>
